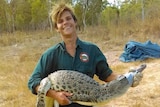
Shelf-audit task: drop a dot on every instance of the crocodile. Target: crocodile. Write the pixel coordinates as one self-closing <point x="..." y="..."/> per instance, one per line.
<point x="86" y="90"/>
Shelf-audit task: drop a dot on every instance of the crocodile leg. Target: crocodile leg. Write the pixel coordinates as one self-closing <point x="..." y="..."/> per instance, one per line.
<point x="42" y="90"/>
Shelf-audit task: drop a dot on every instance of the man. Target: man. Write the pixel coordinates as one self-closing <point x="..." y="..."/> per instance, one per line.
<point x="71" y="54"/>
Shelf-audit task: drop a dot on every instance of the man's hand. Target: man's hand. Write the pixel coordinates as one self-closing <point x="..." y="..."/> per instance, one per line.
<point x="60" y="97"/>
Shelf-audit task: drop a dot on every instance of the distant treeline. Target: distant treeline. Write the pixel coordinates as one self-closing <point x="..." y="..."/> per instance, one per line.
<point x="30" y="15"/>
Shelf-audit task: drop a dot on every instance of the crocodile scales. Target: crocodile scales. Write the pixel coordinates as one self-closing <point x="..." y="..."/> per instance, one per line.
<point x="86" y="91"/>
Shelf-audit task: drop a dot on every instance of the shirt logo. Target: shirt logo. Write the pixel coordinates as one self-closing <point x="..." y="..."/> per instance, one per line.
<point x="84" y="57"/>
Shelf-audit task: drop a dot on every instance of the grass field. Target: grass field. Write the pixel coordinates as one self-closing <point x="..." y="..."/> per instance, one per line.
<point x="20" y="52"/>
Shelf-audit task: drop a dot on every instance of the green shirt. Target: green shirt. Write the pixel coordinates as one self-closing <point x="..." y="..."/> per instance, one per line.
<point x="88" y="59"/>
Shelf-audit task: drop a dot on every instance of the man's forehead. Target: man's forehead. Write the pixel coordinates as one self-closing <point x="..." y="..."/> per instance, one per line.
<point x="64" y="14"/>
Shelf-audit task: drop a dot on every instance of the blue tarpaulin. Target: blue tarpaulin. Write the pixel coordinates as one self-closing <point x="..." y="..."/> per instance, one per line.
<point x="134" y="51"/>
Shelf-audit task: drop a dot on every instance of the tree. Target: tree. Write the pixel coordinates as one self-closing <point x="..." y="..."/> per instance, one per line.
<point x="23" y="15"/>
<point x="89" y="11"/>
<point x="130" y="11"/>
<point x="142" y="5"/>
<point x="109" y="16"/>
<point x="39" y="13"/>
<point x="3" y="16"/>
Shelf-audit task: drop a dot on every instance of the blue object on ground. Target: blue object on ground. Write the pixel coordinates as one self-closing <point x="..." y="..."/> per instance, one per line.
<point x="134" y="51"/>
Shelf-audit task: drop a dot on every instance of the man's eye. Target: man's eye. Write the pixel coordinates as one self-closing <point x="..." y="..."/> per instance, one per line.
<point x="60" y="21"/>
<point x="68" y="18"/>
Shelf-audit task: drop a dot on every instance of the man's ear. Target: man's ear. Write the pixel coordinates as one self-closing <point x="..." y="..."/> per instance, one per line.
<point x="56" y="29"/>
<point x="76" y="24"/>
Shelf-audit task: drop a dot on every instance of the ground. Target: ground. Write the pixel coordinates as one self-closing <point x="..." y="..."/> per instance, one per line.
<point x="147" y="93"/>
<point x="18" y="61"/>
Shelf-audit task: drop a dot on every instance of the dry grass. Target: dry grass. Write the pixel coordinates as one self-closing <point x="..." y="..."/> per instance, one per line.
<point x="20" y="51"/>
<point x="147" y="94"/>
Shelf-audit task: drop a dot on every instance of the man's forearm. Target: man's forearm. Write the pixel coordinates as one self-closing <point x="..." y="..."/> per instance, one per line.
<point x="113" y="76"/>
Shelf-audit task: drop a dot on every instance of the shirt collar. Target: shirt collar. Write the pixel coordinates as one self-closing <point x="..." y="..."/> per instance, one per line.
<point x="78" y="43"/>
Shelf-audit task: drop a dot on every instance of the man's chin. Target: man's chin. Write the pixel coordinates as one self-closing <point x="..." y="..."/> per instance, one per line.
<point x="67" y="35"/>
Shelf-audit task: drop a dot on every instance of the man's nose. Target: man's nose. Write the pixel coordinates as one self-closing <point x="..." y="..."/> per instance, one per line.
<point x="65" y="21"/>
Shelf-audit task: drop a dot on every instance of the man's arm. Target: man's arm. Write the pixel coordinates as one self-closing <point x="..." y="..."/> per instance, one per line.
<point x="111" y="77"/>
<point x="60" y="97"/>
<point x="133" y="77"/>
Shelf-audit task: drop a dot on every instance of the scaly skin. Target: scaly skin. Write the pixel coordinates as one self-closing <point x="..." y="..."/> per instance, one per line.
<point x="85" y="90"/>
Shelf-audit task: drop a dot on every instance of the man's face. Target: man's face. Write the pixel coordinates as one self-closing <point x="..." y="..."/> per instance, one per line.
<point x="66" y="24"/>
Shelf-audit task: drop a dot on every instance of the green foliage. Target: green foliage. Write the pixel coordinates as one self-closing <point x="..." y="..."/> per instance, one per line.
<point x="78" y="9"/>
<point x="38" y="11"/>
<point x="23" y="16"/>
<point x="152" y="9"/>
<point x="2" y="15"/>
<point x="130" y="12"/>
<point x="89" y="11"/>
<point x="109" y="16"/>
<point x="33" y="14"/>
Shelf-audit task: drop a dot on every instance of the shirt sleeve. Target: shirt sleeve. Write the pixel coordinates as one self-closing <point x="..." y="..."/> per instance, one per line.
<point x="102" y="68"/>
<point x="42" y="70"/>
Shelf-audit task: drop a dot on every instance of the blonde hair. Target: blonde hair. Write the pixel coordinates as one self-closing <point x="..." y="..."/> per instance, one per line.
<point x="57" y="11"/>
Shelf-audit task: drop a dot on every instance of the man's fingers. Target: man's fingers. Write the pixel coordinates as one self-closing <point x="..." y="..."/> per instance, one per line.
<point x="68" y="94"/>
